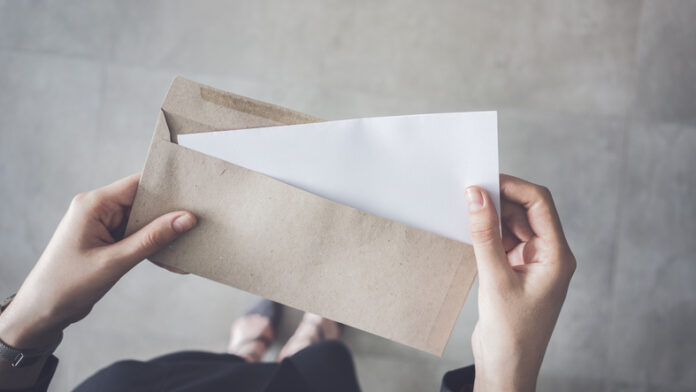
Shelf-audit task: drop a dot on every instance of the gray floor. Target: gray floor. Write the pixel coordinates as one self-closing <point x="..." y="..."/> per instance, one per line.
<point x="597" y="100"/>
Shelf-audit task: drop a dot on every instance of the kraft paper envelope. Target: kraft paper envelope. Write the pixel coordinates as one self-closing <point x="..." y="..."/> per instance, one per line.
<point x="271" y="239"/>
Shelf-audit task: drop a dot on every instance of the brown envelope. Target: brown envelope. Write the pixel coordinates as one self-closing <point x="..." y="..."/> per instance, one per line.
<point x="274" y="240"/>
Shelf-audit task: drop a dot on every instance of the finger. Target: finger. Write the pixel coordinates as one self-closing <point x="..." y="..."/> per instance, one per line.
<point x="169" y="268"/>
<point x="153" y="237"/>
<point x="509" y="240"/>
<point x="121" y="191"/>
<point x="516" y="255"/>
<point x="541" y="211"/>
<point x="485" y="234"/>
<point x="514" y="217"/>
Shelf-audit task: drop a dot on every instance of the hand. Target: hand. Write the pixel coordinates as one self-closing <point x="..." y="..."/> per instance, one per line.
<point x="85" y="258"/>
<point x="523" y="280"/>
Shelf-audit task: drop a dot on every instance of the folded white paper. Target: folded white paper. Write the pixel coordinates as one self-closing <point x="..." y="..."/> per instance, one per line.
<point x="410" y="169"/>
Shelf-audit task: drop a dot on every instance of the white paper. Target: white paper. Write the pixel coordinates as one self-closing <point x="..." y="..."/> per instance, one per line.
<point x="410" y="169"/>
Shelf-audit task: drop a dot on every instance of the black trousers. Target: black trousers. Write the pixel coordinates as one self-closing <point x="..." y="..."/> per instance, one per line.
<point x="325" y="366"/>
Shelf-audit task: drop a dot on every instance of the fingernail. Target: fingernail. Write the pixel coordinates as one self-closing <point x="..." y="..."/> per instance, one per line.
<point x="183" y="223"/>
<point x="474" y="199"/>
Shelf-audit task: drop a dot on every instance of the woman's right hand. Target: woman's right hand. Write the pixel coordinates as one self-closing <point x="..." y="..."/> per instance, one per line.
<point x="523" y="280"/>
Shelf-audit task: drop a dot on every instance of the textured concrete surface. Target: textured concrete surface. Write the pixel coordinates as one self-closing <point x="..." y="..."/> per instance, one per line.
<point x="597" y="100"/>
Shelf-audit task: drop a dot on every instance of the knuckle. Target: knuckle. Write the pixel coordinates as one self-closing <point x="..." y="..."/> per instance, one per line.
<point x="571" y="263"/>
<point x="543" y="192"/>
<point x="78" y="199"/>
<point x="90" y="200"/>
<point x="567" y="265"/>
<point x="545" y="200"/>
<point x="484" y="234"/>
<point x="152" y="240"/>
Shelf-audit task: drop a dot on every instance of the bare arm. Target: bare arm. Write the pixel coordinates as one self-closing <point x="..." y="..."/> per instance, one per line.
<point x="84" y="259"/>
<point x="523" y="280"/>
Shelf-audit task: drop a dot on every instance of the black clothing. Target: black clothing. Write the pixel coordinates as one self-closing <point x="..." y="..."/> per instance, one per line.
<point x="325" y="366"/>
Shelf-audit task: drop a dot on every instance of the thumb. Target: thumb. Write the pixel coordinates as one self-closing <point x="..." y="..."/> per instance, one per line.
<point x="153" y="237"/>
<point x="491" y="260"/>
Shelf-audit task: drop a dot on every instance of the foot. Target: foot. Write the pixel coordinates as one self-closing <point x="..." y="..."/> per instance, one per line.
<point x="253" y="333"/>
<point x="312" y="329"/>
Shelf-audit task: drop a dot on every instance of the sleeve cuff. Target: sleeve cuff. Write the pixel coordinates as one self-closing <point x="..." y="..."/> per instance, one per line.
<point x="459" y="380"/>
<point x="44" y="379"/>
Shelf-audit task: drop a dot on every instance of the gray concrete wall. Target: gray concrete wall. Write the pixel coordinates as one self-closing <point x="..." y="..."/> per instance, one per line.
<point x="597" y="100"/>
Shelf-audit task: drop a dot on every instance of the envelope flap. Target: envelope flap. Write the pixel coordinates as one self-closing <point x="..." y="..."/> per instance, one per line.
<point x="190" y="107"/>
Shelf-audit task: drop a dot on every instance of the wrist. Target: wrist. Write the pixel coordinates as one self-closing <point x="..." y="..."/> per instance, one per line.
<point x="24" y="353"/>
<point x="502" y="381"/>
<point x="513" y="372"/>
<point x="26" y="333"/>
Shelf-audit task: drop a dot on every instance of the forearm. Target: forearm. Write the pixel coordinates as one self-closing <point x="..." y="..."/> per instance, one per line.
<point x="84" y="259"/>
